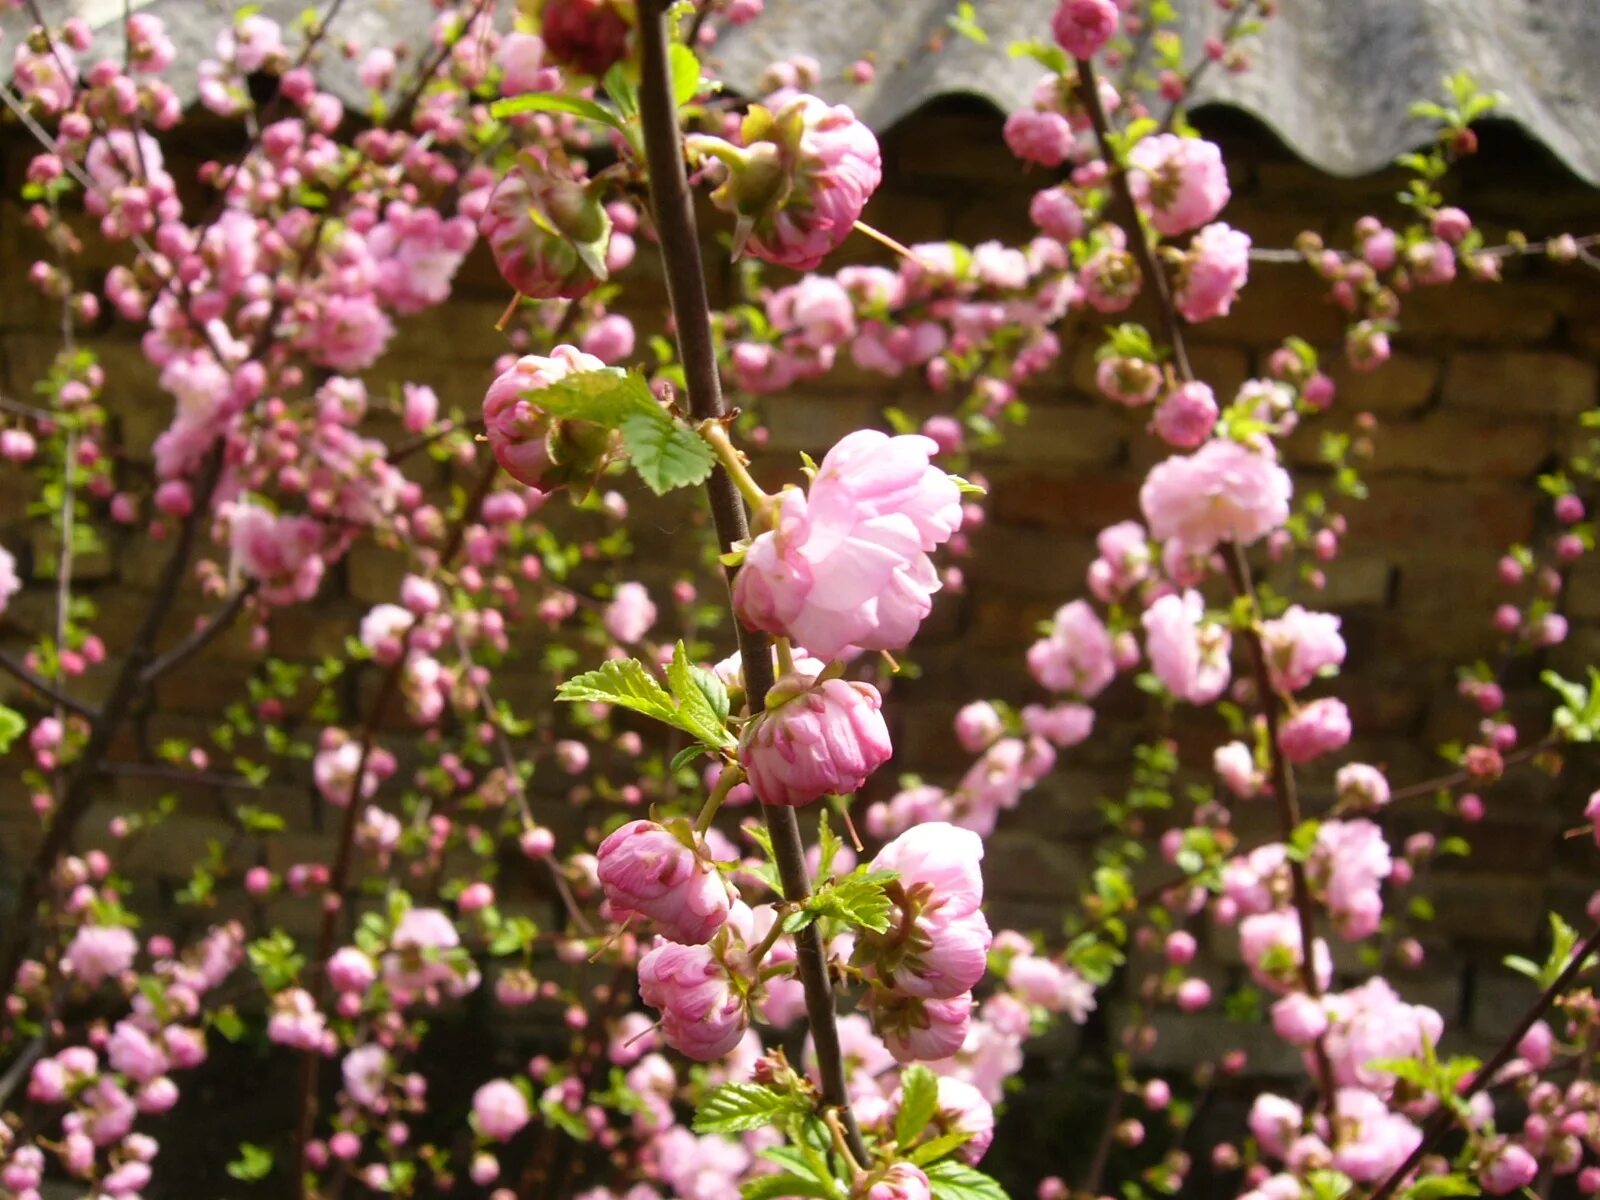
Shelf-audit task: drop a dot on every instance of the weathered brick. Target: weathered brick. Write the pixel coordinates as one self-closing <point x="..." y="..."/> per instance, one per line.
<point x="1455" y="444"/>
<point x="1520" y="381"/>
<point x="1403" y="384"/>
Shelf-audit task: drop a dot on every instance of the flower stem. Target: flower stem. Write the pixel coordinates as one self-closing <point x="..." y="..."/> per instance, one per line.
<point x="884" y="239"/>
<point x="785" y="655"/>
<point x="691" y="311"/>
<point x="733" y="462"/>
<point x="730" y="778"/>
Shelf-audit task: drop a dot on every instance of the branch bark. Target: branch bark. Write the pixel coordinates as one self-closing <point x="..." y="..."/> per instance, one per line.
<point x="691" y="311"/>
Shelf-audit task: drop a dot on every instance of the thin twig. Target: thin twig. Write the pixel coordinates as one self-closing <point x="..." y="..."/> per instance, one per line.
<point x="202" y="636"/>
<point x="45" y="688"/>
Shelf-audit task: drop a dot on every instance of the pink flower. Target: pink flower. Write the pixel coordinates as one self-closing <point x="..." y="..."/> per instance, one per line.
<point x="500" y="1110"/>
<point x="365" y="1070"/>
<point x="351" y="970"/>
<point x="630" y="614"/>
<point x="815" y="739"/>
<point x="547" y="232"/>
<point x="346" y="333"/>
<point x="1510" y="1169"/>
<point x="938" y="946"/>
<point x="1373" y="1141"/>
<point x="610" y="339"/>
<point x="1214" y="269"/>
<point x="1300" y="646"/>
<point x="1276" y="1123"/>
<point x="520" y="433"/>
<point x="1061" y="725"/>
<point x="1221" y="492"/>
<point x="702" y="1014"/>
<point x="1188" y="653"/>
<point x="98" y="952"/>
<point x="279" y="552"/>
<point x="1044" y="138"/>
<point x="1270" y="944"/>
<point x="1083" y="26"/>
<point x="1371" y="1023"/>
<point x="977" y="725"/>
<point x="1057" y="214"/>
<point x="901" y="1181"/>
<point x="918" y="1030"/>
<point x="644" y="868"/>
<point x="130" y="1050"/>
<point x="1179" y="181"/>
<point x="423" y="949"/>
<point x="799" y="180"/>
<point x="1235" y="765"/>
<point x="1076" y="656"/>
<point x="522" y="67"/>
<point x="847" y="564"/>
<point x="1318" y="728"/>
<point x="1350" y="862"/>
<point x="1187" y="416"/>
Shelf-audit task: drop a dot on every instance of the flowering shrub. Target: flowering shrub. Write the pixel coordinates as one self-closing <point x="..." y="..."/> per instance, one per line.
<point x="853" y="1018"/>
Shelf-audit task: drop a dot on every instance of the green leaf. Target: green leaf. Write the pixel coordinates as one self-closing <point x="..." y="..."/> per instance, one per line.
<point x="701" y="699"/>
<point x="858" y="900"/>
<point x="936" y="1148"/>
<point x="953" y="1180"/>
<point x="772" y="1187"/>
<point x="606" y="397"/>
<point x="1438" y="1187"/>
<point x="965" y="22"/>
<point x="666" y="453"/>
<point x="12" y="725"/>
<point x="623" y="681"/>
<point x="254" y="1163"/>
<point x="685" y="70"/>
<point x="685" y="756"/>
<point x="551" y="102"/>
<point x="919" y="1100"/>
<point x="736" y="1107"/>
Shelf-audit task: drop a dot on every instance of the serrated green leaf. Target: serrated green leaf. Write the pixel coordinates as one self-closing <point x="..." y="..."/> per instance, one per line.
<point x="623" y="681"/>
<point x="1439" y="1187"/>
<point x="552" y="102"/>
<point x="666" y="454"/>
<point x="936" y="1148"/>
<point x="953" y="1180"/>
<point x="858" y="900"/>
<point x="607" y="397"/>
<point x="12" y="725"/>
<point x="919" y="1100"/>
<point x="702" y="710"/>
<point x="685" y="756"/>
<point x="736" y="1107"/>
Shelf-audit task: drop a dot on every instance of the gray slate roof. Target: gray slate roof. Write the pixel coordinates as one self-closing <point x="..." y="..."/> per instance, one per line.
<point x="1333" y="78"/>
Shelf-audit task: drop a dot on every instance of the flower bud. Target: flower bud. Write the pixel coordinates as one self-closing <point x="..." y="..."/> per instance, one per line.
<point x="646" y="868"/>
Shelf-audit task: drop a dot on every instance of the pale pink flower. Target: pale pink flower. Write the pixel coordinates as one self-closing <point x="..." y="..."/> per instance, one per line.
<point x="1373" y="1140"/>
<point x="977" y="725"/>
<point x="1270" y="944"/>
<point x="1044" y="138"/>
<point x="10" y="584"/>
<point x="1371" y="1023"/>
<point x="519" y="431"/>
<point x="522" y="66"/>
<point x="1187" y="416"/>
<point x="918" y="1030"/>
<point x="547" y="232"/>
<point x="1510" y="1169"/>
<point x="1235" y="765"/>
<point x="847" y="565"/>
<point x="1179" y="181"/>
<point x="702" y="1014"/>
<point x="630" y="614"/>
<point x="814" y="739"/>
<point x="1222" y="492"/>
<point x="1187" y="653"/>
<point x="98" y="952"/>
<point x="282" y="553"/>
<point x="1214" y="268"/>
<point x="1057" y="214"/>
<point x="1349" y="863"/>
<point x="1300" y="646"/>
<point x="1076" y="656"/>
<point x="1061" y="725"/>
<point x="900" y="1181"/>
<point x="1361" y="785"/>
<point x="500" y="1110"/>
<point x="645" y="869"/>
<point x="1318" y="728"/>
<point x="364" y="1070"/>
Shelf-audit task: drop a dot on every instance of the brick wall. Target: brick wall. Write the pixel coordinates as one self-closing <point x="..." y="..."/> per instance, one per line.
<point x="1483" y="394"/>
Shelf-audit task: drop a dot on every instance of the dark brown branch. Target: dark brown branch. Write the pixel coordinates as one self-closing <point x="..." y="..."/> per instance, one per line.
<point x="691" y="311"/>
<point x="78" y="791"/>
<point x="44" y="687"/>
<point x="202" y="636"/>
<point x="1442" y="1120"/>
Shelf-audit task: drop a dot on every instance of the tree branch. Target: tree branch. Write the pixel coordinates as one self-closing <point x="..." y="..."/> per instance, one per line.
<point x="44" y="687"/>
<point x="691" y="312"/>
<point x="200" y="638"/>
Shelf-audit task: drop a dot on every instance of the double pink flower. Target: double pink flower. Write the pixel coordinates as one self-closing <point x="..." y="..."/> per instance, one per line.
<point x="846" y="564"/>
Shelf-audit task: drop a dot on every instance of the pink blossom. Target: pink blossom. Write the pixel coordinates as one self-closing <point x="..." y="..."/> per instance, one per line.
<point x="1187" y="416"/>
<point x="1301" y="645"/>
<point x="1082" y="27"/>
<point x="702" y="1014"/>
<point x="500" y="1110"/>
<point x="1043" y="138"/>
<point x="422" y="956"/>
<point x="589" y="35"/>
<point x="131" y="1051"/>
<point x="1374" y="1141"/>
<point x="918" y="1030"/>
<point x="1221" y="492"/>
<point x="1275" y="1122"/>
<point x="98" y="952"/>
<point x="977" y="725"/>
<point x="1270" y="944"/>
<point x="1361" y="786"/>
<point x="1076" y="655"/>
<point x="645" y="868"/>
<point x="10" y="584"/>
<point x="900" y="1181"/>
<point x="1188" y="653"/>
<point x="365" y="1071"/>
<point x="1061" y="725"/>
<point x="351" y="970"/>
<point x="1235" y="765"/>
<point x="630" y="614"/>
<point x="847" y="564"/>
<point x="522" y="67"/>
<point x="1215" y="267"/>
<point x="1179" y="181"/>
<point x="1055" y="212"/>
<point x="610" y="339"/>
<point x="520" y="432"/>
<point x="814" y="739"/>
<point x="1371" y="1023"/>
<point x="800" y="181"/>
<point x="279" y="552"/>
<point x="1318" y="728"/>
<point x="418" y="253"/>
<point x="1510" y="1168"/>
<point x="547" y="232"/>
